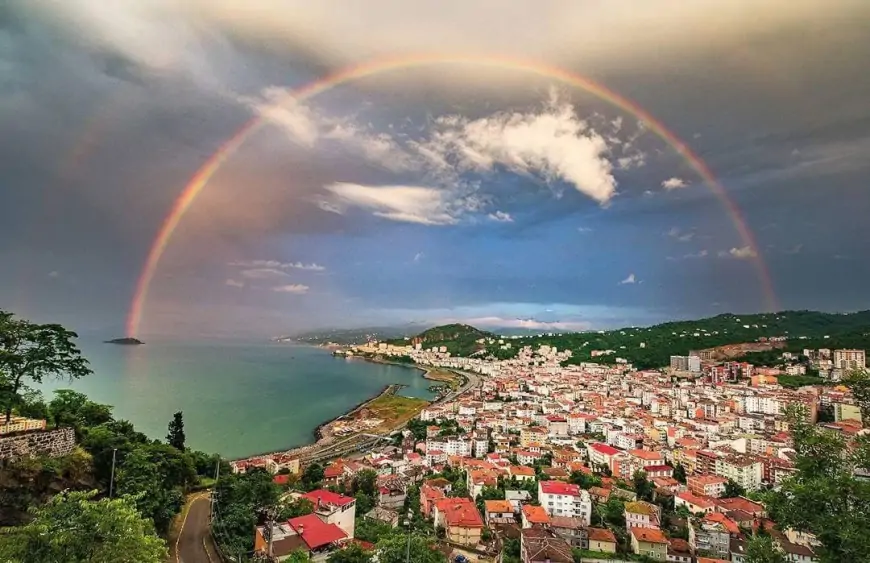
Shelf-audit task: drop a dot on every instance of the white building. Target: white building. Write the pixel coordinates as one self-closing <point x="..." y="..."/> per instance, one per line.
<point x="563" y="499"/>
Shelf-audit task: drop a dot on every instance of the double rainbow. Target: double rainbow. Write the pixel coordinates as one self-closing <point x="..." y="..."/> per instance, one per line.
<point x="202" y="176"/>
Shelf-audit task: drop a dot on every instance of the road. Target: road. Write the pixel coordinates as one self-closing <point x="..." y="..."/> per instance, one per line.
<point x="194" y="543"/>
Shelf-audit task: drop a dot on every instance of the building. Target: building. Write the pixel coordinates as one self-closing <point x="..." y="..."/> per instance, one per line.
<point x="650" y="542"/>
<point x="517" y="498"/>
<point x="679" y="551"/>
<point x="746" y="471"/>
<point x="601" y="539"/>
<point x="460" y="519"/>
<point x="694" y="503"/>
<point x="21" y="424"/>
<point x="849" y="359"/>
<point x="534" y="516"/>
<point x="843" y="411"/>
<point x="307" y="533"/>
<point x="498" y="511"/>
<point x="572" y="530"/>
<point x="640" y="514"/>
<point x="563" y="499"/>
<point x="706" y="485"/>
<point x="712" y="534"/>
<point x="540" y="545"/>
<point x="334" y="508"/>
<point x="680" y="363"/>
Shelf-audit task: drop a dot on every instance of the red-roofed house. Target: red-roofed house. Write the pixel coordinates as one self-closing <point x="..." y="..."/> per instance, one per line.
<point x="601" y="454"/>
<point x="653" y="471"/>
<point x="316" y="533"/>
<point x="429" y="495"/>
<point x="564" y="499"/>
<point x="650" y="542"/>
<point x="460" y="519"/>
<point x="707" y="485"/>
<point x="534" y="516"/>
<point x="307" y="533"/>
<point x="334" y="508"/>
<point x="694" y="503"/>
<point x="712" y="534"/>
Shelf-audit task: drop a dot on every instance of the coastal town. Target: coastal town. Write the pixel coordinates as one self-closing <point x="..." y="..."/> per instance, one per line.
<point x="536" y="459"/>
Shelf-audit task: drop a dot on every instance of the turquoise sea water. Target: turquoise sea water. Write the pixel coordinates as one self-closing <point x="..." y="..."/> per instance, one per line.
<point x="238" y="399"/>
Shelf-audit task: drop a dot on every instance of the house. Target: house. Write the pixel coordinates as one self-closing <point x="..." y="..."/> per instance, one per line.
<point x="478" y="479"/>
<point x="599" y="494"/>
<point x="283" y="463"/>
<point x="694" y="504"/>
<point x="521" y="472"/>
<point x="572" y="530"/>
<point x="460" y="519"/>
<point x="741" y="503"/>
<point x="517" y="498"/>
<point x="334" y="508"/>
<point x="391" y="492"/>
<point x="654" y="471"/>
<point x="650" y="542"/>
<point x="601" y="539"/>
<point x="712" y="534"/>
<point x="500" y="511"/>
<point x="307" y="533"/>
<point x="706" y="485"/>
<point x="641" y="514"/>
<point x="428" y="497"/>
<point x="384" y="515"/>
<point x="539" y="545"/>
<point x="564" y="499"/>
<point x="533" y="516"/>
<point x="679" y="551"/>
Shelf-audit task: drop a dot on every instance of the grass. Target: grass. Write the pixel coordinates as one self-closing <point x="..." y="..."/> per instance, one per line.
<point x="395" y="410"/>
<point x="448" y="377"/>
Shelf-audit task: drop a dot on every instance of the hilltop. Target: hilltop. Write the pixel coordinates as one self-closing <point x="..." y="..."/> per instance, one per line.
<point x="128" y="341"/>
<point x="460" y="339"/>
<point x="651" y="347"/>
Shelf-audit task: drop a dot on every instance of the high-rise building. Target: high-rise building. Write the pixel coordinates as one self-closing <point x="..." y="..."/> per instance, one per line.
<point x="849" y="359"/>
<point x="680" y="363"/>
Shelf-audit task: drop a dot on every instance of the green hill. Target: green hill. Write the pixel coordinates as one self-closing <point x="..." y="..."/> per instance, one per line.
<point x="460" y="339"/>
<point x="804" y="329"/>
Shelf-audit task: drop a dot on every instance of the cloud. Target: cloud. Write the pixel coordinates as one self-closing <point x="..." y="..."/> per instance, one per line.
<point x="264" y="273"/>
<point x="552" y="143"/>
<point x="796" y="249"/>
<point x="634" y="161"/>
<point x="501" y="217"/>
<point x="695" y="255"/>
<point x="234" y="283"/>
<point x="584" y="229"/>
<point x="529" y="324"/>
<point x="417" y="257"/>
<point x="408" y="204"/>
<point x="674" y="183"/>
<point x="54" y="274"/>
<point x="296" y="288"/>
<point x="742" y="253"/>
<point x="275" y="264"/>
<point x="629" y="280"/>
<point x="330" y="207"/>
<point x="675" y="233"/>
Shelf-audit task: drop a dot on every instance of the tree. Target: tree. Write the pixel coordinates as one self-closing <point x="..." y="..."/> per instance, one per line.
<point x="392" y="549"/>
<point x="74" y="528"/>
<point x="680" y="473"/>
<point x="642" y="486"/>
<point x="762" y="549"/>
<point x="30" y="353"/>
<point x="366" y="482"/>
<point x="175" y="437"/>
<point x="71" y="408"/>
<point x="312" y="476"/>
<point x="823" y="496"/>
<point x="298" y="556"/>
<point x="354" y="553"/>
<point x="296" y="508"/>
<point x="732" y="489"/>
<point x="238" y="500"/>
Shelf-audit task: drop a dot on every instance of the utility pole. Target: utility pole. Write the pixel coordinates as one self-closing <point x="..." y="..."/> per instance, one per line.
<point x="112" y="478"/>
<point x="217" y="471"/>
<point x="408" y="548"/>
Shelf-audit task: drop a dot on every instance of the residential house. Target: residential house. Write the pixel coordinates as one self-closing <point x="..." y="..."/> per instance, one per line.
<point x="307" y="533"/>
<point x="679" y="551"/>
<point x="391" y="492"/>
<point x="460" y="519"/>
<point x="572" y="530"/>
<point x="640" y="514"/>
<point x="498" y="511"/>
<point x="707" y="485"/>
<point x="517" y="498"/>
<point x="712" y="534"/>
<point x="694" y="503"/>
<point x="650" y="542"/>
<point x="334" y="508"/>
<point x="540" y="545"/>
<point x="383" y="515"/>
<point x="533" y="516"/>
<point x="521" y="472"/>
<point x="601" y="539"/>
<point x="564" y="499"/>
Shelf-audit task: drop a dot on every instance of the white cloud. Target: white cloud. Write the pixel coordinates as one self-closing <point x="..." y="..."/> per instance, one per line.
<point x="408" y="204"/>
<point x="234" y="283"/>
<point x="674" y="183"/>
<point x="742" y="253"/>
<point x="297" y="288"/>
<point x="417" y="257"/>
<point x="629" y="280"/>
<point x="796" y="249"/>
<point x="264" y="273"/>
<point x="529" y="324"/>
<point x="275" y="264"/>
<point x="552" y="143"/>
<point x="694" y="255"/>
<point x="584" y="229"/>
<point x="330" y="207"/>
<point x="501" y="217"/>
<point x="54" y="274"/>
<point x="675" y="233"/>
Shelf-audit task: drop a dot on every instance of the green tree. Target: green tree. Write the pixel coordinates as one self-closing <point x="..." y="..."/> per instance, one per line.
<point x="642" y="486"/>
<point x="366" y="482"/>
<point x="175" y="437"/>
<point x="613" y="512"/>
<point x="823" y="496"/>
<point x="392" y="549"/>
<point x="354" y="553"/>
<point x="74" y="528"/>
<point x="680" y="473"/>
<point x="732" y="489"/>
<point x="30" y="353"/>
<point x="71" y="408"/>
<point x="238" y="501"/>
<point x="762" y="549"/>
<point x="296" y="508"/>
<point x="312" y="476"/>
<point x="298" y="556"/>
<point x="585" y="480"/>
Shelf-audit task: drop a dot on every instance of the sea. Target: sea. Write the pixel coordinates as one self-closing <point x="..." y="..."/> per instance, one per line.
<point x="238" y="398"/>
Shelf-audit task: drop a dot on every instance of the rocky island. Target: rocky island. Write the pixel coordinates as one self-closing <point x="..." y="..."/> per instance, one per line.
<point x="125" y="341"/>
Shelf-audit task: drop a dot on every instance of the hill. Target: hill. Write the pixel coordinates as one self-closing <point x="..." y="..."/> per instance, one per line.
<point x="348" y="336"/>
<point x="125" y="341"/>
<point x="651" y="347"/>
<point x="460" y="339"/>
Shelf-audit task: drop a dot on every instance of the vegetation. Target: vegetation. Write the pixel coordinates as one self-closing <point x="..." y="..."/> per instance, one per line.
<point x="175" y="437"/>
<point x="460" y="339"/>
<point x="74" y="527"/>
<point x="795" y="381"/>
<point x="31" y="352"/>
<point x="354" y="553"/>
<point x="394" y="409"/>
<point x="241" y="499"/>
<point x="392" y="549"/>
<point x="805" y="329"/>
<point x="762" y="549"/>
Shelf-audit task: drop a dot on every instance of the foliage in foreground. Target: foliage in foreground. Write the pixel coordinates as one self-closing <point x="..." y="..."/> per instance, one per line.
<point x="75" y="528"/>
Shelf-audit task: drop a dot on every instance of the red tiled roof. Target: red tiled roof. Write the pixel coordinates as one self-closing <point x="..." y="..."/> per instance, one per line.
<point x="703" y="502"/>
<point x="601" y="534"/>
<point x="322" y="496"/>
<point x="315" y="532"/>
<point x="460" y="512"/>
<point x="536" y="514"/>
<point x="559" y="488"/>
<point x="653" y="468"/>
<point x="281" y="479"/>
<point x="649" y="535"/>
<point x="604" y="449"/>
<point x="720" y="518"/>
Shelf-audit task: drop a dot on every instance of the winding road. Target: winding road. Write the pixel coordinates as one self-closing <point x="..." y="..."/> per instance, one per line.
<point x="194" y="543"/>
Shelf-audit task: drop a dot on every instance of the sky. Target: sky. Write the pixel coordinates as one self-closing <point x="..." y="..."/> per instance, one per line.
<point x="444" y="192"/>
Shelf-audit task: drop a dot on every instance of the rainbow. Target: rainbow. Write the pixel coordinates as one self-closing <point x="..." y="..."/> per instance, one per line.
<point x="202" y="176"/>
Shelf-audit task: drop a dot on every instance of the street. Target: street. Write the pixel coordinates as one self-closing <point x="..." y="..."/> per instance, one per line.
<point x="194" y="544"/>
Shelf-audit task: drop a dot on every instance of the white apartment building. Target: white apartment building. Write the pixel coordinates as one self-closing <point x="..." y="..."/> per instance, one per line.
<point x="563" y="499"/>
<point x="743" y="470"/>
<point x="849" y="359"/>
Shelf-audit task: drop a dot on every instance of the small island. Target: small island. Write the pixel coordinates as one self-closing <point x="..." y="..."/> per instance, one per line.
<point x="125" y="341"/>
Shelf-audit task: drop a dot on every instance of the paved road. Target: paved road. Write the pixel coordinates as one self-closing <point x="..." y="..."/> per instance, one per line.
<point x="194" y="544"/>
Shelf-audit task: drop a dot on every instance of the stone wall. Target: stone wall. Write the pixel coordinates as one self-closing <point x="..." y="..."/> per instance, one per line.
<point x="52" y="443"/>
